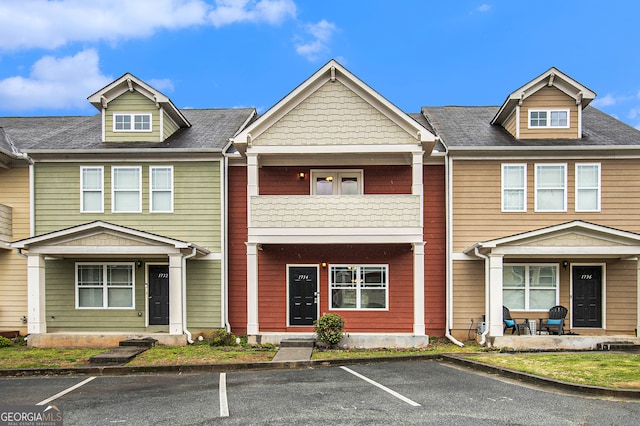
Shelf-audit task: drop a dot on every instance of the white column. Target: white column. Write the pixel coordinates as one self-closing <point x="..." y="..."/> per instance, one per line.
<point x="418" y="289"/>
<point x="37" y="323"/>
<point x="495" y="295"/>
<point x="175" y="294"/>
<point x="252" y="289"/>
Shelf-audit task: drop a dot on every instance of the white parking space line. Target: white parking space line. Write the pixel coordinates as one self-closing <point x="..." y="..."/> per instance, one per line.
<point x="384" y="388"/>
<point x="224" y="405"/>
<point x="66" y="391"/>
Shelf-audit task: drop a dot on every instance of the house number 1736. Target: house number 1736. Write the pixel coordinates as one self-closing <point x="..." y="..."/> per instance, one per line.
<point x="586" y="276"/>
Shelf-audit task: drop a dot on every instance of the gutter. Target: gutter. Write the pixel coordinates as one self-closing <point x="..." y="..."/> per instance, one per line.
<point x="184" y="293"/>
<point x="483" y="340"/>
<point x="448" y="164"/>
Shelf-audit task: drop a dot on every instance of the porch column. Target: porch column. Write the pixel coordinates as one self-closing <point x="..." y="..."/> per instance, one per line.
<point x="37" y="322"/>
<point x="175" y="294"/>
<point x="252" y="289"/>
<point x="418" y="289"/>
<point x="495" y="295"/>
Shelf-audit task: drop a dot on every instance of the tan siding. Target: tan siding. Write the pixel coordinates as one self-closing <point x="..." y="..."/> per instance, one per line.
<point x="130" y="102"/>
<point x="14" y="193"/>
<point x="477" y="212"/>
<point x="468" y="295"/>
<point x="196" y="216"/>
<point x="510" y="125"/>
<point x="621" y="297"/>
<point x="548" y="97"/>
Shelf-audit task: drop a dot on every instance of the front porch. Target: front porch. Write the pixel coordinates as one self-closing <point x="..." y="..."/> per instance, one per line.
<point x="563" y="342"/>
<point x="99" y="339"/>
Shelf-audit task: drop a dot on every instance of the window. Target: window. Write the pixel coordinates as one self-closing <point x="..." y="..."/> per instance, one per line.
<point x="358" y="287"/>
<point x="126" y="194"/>
<point x="131" y="122"/>
<point x="551" y="187"/>
<point x="104" y="286"/>
<point x="530" y="287"/>
<point x="91" y="190"/>
<point x="332" y="182"/>
<point x="514" y="187"/>
<point x="161" y="189"/>
<point x="549" y="118"/>
<point x="588" y="187"/>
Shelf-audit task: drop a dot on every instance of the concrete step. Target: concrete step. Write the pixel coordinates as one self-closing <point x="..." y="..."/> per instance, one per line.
<point x="297" y="343"/>
<point x="119" y="355"/>
<point x="147" y="342"/>
<point x="293" y="354"/>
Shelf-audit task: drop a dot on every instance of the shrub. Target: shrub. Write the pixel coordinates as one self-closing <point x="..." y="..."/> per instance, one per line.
<point x="223" y="337"/>
<point x="4" y="342"/>
<point x="329" y="329"/>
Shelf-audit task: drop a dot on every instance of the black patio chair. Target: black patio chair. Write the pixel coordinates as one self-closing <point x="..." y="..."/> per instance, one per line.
<point x="513" y="324"/>
<point x="555" y="322"/>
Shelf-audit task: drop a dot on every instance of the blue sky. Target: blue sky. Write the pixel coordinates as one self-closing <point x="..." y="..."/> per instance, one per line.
<point x="251" y="53"/>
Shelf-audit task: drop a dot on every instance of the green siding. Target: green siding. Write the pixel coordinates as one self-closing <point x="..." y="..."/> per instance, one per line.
<point x="203" y="294"/>
<point x="196" y="216"/>
<point x="132" y="102"/>
<point x="169" y="126"/>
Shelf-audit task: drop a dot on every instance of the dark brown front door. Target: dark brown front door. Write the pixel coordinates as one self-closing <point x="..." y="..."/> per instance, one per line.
<point x="303" y="300"/>
<point x="587" y="296"/>
<point x="158" y="295"/>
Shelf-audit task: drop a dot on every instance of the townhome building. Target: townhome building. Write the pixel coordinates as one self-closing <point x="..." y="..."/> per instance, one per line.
<point x="127" y="235"/>
<point x="542" y="211"/>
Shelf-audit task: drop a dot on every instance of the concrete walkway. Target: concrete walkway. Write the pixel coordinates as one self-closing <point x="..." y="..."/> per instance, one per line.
<point x="294" y="350"/>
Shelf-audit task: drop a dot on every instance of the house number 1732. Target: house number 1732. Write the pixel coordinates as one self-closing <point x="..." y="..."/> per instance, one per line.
<point x="163" y="275"/>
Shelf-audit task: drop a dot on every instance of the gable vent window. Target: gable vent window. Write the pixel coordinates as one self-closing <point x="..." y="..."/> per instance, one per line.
<point x="132" y="122"/>
<point x="549" y="119"/>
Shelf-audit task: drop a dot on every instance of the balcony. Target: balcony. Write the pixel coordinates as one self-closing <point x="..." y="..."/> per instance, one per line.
<point x="335" y="219"/>
<point x="6" y="225"/>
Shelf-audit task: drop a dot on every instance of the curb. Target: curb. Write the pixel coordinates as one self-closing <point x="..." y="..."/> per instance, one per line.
<point x="289" y="365"/>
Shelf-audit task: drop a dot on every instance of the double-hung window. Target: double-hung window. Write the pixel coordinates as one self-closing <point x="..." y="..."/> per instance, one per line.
<point x="531" y="287"/>
<point x="358" y="287"/>
<point x="104" y="286"/>
<point x="336" y="182"/>
<point x="551" y="187"/>
<point x="126" y="184"/>
<point x="131" y="122"/>
<point x="161" y="189"/>
<point x="551" y="118"/>
<point x="514" y="187"/>
<point x="91" y="189"/>
<point x="588" y="187"/>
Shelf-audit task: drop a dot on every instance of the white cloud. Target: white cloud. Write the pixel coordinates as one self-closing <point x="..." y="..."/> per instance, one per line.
<point x="161" y="84"/>
<point x="322" y="32"/>
<point x="484" y="8"/>
<point x="233" y="11"/>
<point x="55" y="83"/>
<point x="605" y="101"/>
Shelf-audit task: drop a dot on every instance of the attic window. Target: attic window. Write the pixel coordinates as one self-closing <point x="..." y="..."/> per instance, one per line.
<point x="131" y="122"/>
<point x="551" y="118"/>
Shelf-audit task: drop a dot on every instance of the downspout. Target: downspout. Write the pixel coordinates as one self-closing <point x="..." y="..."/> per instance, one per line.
<point x="448" y="165"/>
<point x="184" y="294"/>
<point x="225" y="244"/>
<point x="483" y="340"/>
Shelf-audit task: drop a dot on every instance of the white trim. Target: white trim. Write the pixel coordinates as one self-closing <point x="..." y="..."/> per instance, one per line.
<point x="105" y="286"/>
<point x="146" y="287"/>
<point x="527" y="286"/>
<point x="132" y="118"/>
<point x="336" y="175"/>
<point x="524" y="188"/>
<point x="336" y="149"/>
<point x="334" y="235"/>
<point x="113" y="189"/>
<point x="564" y="188"/>
<point x="548" y="112"/>
<point x="598" y="188"/>
<point x="82" y="189"/>
<point x="603" y="296"/>
<point x="358" y="287"/>
<point x="317" y="291"/>
<point x="152" y="190"/>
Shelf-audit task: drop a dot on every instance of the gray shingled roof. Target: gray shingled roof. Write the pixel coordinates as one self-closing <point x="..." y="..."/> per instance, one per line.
<point x="470" y="127"/>
<point x="210" y="130"/>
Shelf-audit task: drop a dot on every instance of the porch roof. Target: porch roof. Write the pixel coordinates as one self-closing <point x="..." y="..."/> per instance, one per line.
<point x="104" y="238"/>
<point x="570" y="239"/>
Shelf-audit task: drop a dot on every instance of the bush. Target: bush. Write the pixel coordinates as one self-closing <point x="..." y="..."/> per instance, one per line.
<point x="4" y="342"/>
<point x="329" y="329"/>
<point x="223" y="337"/>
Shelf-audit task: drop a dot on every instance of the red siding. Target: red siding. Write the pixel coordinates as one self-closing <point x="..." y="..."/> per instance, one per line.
<point x="272" y="293"/>
<point x="435" y="249"/>
<point x="377" y="180"/>
<point x="237" y="249"/>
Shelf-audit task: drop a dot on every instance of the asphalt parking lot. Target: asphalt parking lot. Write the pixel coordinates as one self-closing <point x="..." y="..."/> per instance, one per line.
<point x="410" y="392"/>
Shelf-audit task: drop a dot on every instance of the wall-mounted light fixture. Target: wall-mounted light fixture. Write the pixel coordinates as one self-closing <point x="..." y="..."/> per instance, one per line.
<point x="565" y="264"/>
<point x="301" y="175"/>
<point x="139" y="263"/>
<point x="324" y="264"/>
